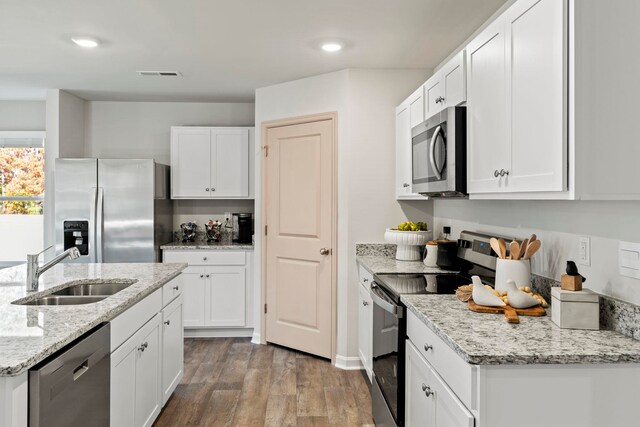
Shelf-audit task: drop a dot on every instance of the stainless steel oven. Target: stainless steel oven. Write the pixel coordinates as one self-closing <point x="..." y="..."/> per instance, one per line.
<point x="439" y="154"/>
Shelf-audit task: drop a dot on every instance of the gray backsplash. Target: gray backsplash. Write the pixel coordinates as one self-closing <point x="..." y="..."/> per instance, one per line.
<point x="615" y="314"/>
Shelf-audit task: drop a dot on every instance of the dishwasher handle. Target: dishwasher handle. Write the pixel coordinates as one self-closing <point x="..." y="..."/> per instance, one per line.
<point x="382" y="300"/>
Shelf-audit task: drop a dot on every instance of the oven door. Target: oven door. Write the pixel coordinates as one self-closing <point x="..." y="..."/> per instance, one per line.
<point x="388" y="358"/>
<point x="429" y="155"/>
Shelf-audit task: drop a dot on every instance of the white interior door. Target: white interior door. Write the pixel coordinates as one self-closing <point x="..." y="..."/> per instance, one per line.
<point x="488" y="147"/>
<point x="299" y="260"/>
<point x="229" y="162"/>
<point x="536" y="90"/>
<point x="190" y="162"/>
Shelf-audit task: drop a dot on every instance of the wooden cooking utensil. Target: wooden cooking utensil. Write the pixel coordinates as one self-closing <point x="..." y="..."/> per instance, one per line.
<point x="532" y="248"/>
<point x="503" y="248"/>
<point x="533" y="238"/>
<point x="514" y="250"/>
<point x="495" y="245"/>
<point x="523" y="248"/>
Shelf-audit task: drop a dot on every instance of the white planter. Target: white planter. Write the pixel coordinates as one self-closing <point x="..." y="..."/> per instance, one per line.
<point x="408" y="242"/>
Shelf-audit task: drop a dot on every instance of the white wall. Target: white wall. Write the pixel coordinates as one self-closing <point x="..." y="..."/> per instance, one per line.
<point x="22" y="115"/>
<point x="365" y="101"/>
<point x="558" y="224"/>
<point x="141" y="129"/>
<point x="21" y="235"/>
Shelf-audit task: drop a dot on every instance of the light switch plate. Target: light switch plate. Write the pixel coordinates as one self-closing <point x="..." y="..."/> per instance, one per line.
<point x="629" y="259"/>
<point x="584" y="250"/>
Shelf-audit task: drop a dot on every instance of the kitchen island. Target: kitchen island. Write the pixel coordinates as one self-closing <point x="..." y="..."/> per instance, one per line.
<point x="31" y="333"/>
<point x="476" y="368"/>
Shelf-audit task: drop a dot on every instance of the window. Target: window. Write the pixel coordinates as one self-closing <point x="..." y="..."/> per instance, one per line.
<point x="21" y="173"/>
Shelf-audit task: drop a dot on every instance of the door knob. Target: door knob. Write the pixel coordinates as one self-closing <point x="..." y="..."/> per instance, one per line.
<point x="325" y="251"/>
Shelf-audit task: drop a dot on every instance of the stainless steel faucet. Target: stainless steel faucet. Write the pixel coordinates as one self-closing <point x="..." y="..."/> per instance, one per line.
<point x="34" y="269"/>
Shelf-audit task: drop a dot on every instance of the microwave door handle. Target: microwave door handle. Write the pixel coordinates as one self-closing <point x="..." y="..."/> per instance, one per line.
<point x="432" y="152"/>
<point x="380" y="301"/>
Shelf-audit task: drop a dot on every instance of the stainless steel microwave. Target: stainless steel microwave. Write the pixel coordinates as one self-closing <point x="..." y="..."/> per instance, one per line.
<point x="439" y="154"/>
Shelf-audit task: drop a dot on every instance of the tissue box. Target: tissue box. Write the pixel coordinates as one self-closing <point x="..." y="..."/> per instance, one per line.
<point x="575" y="309"/>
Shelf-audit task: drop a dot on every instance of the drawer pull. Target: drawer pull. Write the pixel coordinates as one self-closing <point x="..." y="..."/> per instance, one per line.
<point x="207" y="275"/>
<point x="427" y="390"/>
<point x="365" y="280"/>
<point x="204" y="258"/>
<point x="365" y="303"/>
<point x="428" y="347"/>
<point x="202" y="276"/>
<point x="176" y="288"/>
<point x="168" y="322"/>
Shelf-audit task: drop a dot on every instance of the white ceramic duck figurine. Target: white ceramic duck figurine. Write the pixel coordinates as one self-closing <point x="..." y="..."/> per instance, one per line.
<point x="483" y="296"/>
<point x="519" y="299"/>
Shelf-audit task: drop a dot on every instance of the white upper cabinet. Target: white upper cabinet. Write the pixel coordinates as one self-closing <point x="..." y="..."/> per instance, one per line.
<point x="433" y="95"/>
<point x="536" y="95"/>
<point x="403" y="148"/>
<point x="454" y="81"/>
<point x="487" y="144"/>
<point x="210" y="163"/>
<point x="516" y="99"/>
<point x="416" y="108"/>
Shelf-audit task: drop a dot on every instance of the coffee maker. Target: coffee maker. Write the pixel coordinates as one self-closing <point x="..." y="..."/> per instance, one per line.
<point x="242" y="228"/>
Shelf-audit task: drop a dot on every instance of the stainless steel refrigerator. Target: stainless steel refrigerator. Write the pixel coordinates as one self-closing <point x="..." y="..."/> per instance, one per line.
<point x="112" y="210"/>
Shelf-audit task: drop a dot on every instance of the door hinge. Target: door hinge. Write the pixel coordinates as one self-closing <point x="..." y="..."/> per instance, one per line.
<point x="266" y="150"/>
<point x="265" y="230"/>
<point x="265" y="309"/>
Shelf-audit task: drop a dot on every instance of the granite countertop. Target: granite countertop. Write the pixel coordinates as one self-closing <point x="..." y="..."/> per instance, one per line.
<point x="380" y="264"/>
<point x="203" y="245"/>
<point x="29" y="334"/>
<point x="487" y="339"/>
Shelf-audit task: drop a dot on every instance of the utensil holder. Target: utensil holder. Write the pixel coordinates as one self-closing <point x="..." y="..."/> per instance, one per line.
<point x="510" y="269"/>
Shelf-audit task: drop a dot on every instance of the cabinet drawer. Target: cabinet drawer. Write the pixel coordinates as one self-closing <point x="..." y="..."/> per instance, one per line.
<point x="457" y="373"/>
<point x="206" y="257"/>
<point x="171" y="290"/>
<point x="129" y="321"/>
<point x="364" y="276"/>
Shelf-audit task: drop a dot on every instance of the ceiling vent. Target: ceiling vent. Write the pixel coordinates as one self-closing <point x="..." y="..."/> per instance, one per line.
<point x="160" y="73"/>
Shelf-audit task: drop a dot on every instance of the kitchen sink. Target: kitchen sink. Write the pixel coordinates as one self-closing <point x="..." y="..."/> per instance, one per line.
<point x="65" y="300"/>
<point x="94" y="289"/>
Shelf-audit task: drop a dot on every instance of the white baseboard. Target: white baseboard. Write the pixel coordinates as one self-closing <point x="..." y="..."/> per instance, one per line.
<point x="348" y="363"/>
<point x="256" y="338"/>
<point x="218" y="332"/>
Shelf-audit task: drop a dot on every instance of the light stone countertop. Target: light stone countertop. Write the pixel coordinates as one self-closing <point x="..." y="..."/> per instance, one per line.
<point x="203" y="245"/>
<point x="29" y="334"/>
<point x="487" y="339"/>
<point x="379" y="264"/>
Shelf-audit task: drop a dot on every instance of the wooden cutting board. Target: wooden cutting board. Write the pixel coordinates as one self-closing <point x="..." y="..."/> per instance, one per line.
<point x="509" y="312"/>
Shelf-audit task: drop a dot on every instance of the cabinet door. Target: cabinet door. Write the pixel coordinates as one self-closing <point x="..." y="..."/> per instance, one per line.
<point x="536" y="90"/>
<point x="147" y="377"/>
<point x="190" y="163"/>
<point x="403" y="151"/>
<point x="488" y="149"/>
<point x="416" y="108"/>
<point x="123" y="392"/>
<point x="433" y="95"/>
<point x="172" y="348"/>
<point x="449" y="410"/>
<point x="365" y="325"/>
<point x="229" y="163"/>
<point x="419" y="407"/>
<point x="194" y="297"/>
<point x="454" y="80"/>
<point x="225" y="296"/>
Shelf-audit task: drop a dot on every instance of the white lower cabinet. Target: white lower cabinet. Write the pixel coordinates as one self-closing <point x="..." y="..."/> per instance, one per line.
<point x="217" y="291"/>
<point x="365" y="326"/>
<point x="429" y="401"/>
<point x="172" y="347"/>
<point x="135" y="378"/>
<point x="147" y="356"/>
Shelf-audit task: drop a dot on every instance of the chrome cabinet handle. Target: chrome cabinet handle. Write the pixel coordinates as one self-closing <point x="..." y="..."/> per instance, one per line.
<point x="206" y="189"/>
<point x="324" y="251"/>
<point x="496" y="173"/>
<point x="176" y="288"/>
<point x="168" y="322"/>
<point x="504" y="172"/>
<point x="365" y="280"/>
<point x="202" y="276"/>
<point x="424" y="387"/>
<point x="143" y="346"/>
<point x="213" y="189"/>
<point x="204" y="258"/>
<point x="364" y="303"/>
<point x="405" y="185"/>
<point x="207" y="275"/>
<point x="427" y="390"/>
<point x="428" y="347"/>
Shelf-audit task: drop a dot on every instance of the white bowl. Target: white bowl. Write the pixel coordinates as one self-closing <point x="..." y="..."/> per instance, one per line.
<point x="408" y="243"/>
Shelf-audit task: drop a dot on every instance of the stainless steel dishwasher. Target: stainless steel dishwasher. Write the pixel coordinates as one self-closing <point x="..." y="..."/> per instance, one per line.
<point x="71" y="388"/>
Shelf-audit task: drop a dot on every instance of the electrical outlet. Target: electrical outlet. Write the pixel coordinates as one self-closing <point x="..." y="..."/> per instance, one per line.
<point x="584" y="250"/>
<point x="227" y="216"/>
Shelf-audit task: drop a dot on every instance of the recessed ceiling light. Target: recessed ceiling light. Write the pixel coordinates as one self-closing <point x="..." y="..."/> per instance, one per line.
<point x="331" y="47"/>
<point x="85" y="41"/>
